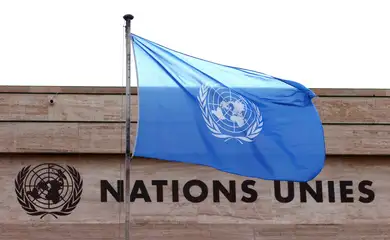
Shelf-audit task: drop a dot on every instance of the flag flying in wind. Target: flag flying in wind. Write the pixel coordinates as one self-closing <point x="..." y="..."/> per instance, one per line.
<point x="232" y="119"/>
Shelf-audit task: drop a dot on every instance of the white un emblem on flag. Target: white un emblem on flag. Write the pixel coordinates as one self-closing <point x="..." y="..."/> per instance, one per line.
<point x="229" y="115"/>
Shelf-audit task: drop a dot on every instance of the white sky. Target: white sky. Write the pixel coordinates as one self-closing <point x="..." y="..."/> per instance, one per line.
<point x="329" y="43"/>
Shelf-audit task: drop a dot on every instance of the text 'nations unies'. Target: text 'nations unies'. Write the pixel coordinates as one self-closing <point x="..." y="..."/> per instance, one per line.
<point x="247" y="191"/>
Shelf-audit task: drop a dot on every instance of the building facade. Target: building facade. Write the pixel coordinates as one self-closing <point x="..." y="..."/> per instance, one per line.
<point x="62" y="171"/>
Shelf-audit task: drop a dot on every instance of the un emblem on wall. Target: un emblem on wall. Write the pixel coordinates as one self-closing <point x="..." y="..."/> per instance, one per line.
<point x="48" y="189"/>
<point x="229" y="115"/>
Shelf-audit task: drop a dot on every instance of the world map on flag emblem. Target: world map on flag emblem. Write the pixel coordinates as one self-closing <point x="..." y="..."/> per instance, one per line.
<point x="229" y="115"/>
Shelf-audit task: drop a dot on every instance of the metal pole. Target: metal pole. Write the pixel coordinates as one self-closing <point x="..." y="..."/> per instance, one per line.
<point x="128" y="18"/>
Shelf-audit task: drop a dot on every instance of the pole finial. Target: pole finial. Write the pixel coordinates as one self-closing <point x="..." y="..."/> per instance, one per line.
<point x="128" y="17"/>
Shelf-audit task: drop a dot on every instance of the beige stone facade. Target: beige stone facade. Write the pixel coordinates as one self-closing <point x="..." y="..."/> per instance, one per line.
<point x="81" y="130"/>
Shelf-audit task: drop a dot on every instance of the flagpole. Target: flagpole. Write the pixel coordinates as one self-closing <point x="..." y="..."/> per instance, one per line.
<point x="127" y="18"/>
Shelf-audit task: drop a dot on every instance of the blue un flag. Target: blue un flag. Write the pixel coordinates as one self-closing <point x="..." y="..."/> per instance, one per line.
<point x="235" y="120"/>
